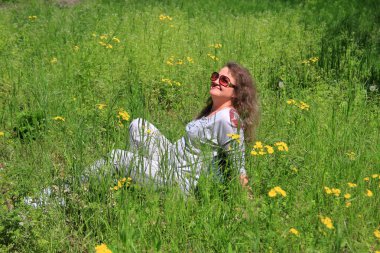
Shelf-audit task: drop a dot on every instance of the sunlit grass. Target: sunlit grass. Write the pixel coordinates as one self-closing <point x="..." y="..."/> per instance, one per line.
<point x="73" y="77"/>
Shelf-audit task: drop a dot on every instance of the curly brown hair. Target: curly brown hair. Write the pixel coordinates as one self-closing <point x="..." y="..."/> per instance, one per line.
<point x="246" y="100"/>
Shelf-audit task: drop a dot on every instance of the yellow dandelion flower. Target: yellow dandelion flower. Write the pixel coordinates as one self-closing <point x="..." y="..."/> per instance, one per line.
<point x="103" y="37"/>
<point x="109" y="46"/>
<point x="102" y="43"/>
<point x="216" y="45"/>
<point x="179" y="62"/>
<point x="101" y="106"/>
<point x="348" y="204"/>
<point x="336" y="192"/>
<point x="351" y="155"/>
<point x="148" y="131"/>
<point x="279" y="190"/>
<point x="281" y="146"/>
<point x="261" y="152"/>
<point x="327" y="222"/>
<point x="272" y="193"/>
<point x="253" y="152"/>
<point x="294" y="231"/>
<point x="352" y="185"/>
<point x="377" y="251"/>
<point x="123" y="115"/>
<point x="169" y="63"/>
<point x="53" y="60"/>
<point x="32" y="18"/>
<point x="375" y="175"/>
<point x="189" y="59"/>
<point x="294" y="169"/>
<point x="291" y="102"/>
<point x="235" y="137"/>
<point x="376" y="233"/>
<point x="304" y="106"/>
<point x="59" y="118"/>
<point x="347" y="196"/>
<point x="258" y="145"/>
<point x="114" y="39"/>
<point x="366" y="179"/>
<point x="2" y="134"/>
<point x="102" y="248"/>
<point x="314" y="59"/>
<point x="213" y="57"/>
<point x="328" y="190"/>
<point x="123" y="179"/>
<point x="369" y="193"/>
<point x="270" y="149"/>
<point x="115" y="188"/>
<point x="119" y="184"/>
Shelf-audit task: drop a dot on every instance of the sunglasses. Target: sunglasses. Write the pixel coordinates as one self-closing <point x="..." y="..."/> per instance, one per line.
<point x="223" y="80"/>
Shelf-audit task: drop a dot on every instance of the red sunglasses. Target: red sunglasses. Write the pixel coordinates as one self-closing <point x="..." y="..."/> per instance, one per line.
<point x="223" y="80"/>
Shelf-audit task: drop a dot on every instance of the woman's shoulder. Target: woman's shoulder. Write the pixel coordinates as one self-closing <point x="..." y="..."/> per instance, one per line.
<point x="229" y="115"/>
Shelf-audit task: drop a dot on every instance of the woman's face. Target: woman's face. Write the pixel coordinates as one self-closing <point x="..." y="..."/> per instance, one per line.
<point x="220" y="93"/>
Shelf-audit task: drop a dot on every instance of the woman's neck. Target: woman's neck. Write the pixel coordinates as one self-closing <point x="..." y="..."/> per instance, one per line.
<point x="219" y="106"/>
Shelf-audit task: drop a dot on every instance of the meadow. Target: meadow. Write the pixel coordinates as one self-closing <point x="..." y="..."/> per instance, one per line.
<point x="73" y="76"/>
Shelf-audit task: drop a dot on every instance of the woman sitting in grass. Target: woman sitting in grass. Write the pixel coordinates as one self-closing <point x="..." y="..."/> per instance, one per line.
<point x="214" y="141"/>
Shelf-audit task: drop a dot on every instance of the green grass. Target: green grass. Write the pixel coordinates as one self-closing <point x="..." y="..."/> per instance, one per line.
<point x="53" y="65"/>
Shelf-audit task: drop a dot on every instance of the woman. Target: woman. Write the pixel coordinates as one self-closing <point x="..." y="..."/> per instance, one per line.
<point x="213" y="141"/>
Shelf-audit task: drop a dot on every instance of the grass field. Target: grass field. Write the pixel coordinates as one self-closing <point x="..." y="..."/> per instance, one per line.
<point x="67" y="71"/>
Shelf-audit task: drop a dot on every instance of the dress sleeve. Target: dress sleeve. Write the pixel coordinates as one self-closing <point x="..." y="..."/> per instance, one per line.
<point x="230" y="138"/>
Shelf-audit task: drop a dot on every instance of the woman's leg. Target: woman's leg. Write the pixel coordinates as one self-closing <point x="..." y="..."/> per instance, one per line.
<point x="144" y="137"/>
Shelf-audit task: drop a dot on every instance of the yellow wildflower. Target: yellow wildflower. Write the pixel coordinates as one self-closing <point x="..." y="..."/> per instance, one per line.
<point x="123" y="180"/>
<point x="279" y="190"/>
<point x="261" y="152"/>
<point x="304" y="106"/>
<point x="253" y="152"/>
<point x="189" y="59"/>
<point x="366" y="179"/>
<point x="351" y="155"/>
<point x="328" y="190"/>
<point x="347" y="196"/>
<point x="352" y="185"/>
<point x="348" y="204"/>
<point x="217" y="45"/>
<point x="213" y="57"/>
<point x="375" y="175"/>
<point x="369" y="193"/>
<point x="59" y="118"/>
<point x="179" y="62"/>
<point x="119" y="184"/>
<point x="109" y="46"/>
<point x="115" y="188"/>
<point x="294" y="231"/>
<point x="270" y="149"/>
<point x="376" y="233"/>
<point x="305" y="62"/>
<point x="258" y="145"/>
<point x="163" y="17"/>
<point x="327" y="222"/>
<point x="234" y="137"/>
<point x="76" y="48"/>
<point x="103" y="37"/>
<point x="314" y="59"/>
<point x="53" y="60"/>
<point x="101" y="106"/>
<point x="114" y="39"/>
<point x="148" y="131"/>
<point x="102" y="43"/>
<point x="336" y="192"/>
<point x="2" y="134"/>
<point x="272" y="193"/>
<point x="291" y="102"/>
<point x="281" y="146"/>
<point x="102" y="248"/>
<point x="123" y="115"/>
<point x="32" y="18"/>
